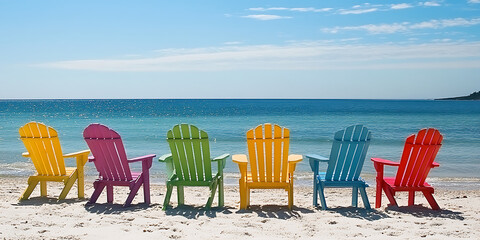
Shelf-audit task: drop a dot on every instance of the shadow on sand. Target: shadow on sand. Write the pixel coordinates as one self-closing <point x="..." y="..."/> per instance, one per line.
<point x="422" y="211"/>
<point x="360" y="213"/>
<point x="39" y="201"/>
<point x="193" y="212"/>
<point x="112" y="208"/>
<point x="275" y="211"/>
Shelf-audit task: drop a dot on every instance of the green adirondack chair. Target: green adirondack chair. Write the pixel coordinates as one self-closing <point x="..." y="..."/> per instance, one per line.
<point x="190" y="164"/>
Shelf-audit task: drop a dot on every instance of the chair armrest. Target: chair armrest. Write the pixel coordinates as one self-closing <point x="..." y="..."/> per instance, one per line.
<point x="316" y="157"/>
<point x="81" y="157"/>
<point x="146" y="161"/>
<point x="168" y="160"/>
<point x="222" y="161"/>
<point x="76" y="154"/>
<point x="26" y="154"/>
<point x="293" y="159"/>
<point x="385" y="162"/>
<point x="142" y="158"/>
<point x="165" y="157"/>
<point x="435" y="164"/>
<point x="240" y="159"/>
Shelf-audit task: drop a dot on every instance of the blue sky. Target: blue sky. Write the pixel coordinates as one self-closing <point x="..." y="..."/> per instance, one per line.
<point x="239" y="49"/>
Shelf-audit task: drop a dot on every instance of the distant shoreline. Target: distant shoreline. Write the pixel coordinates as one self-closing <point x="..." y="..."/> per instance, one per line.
<point x="473" y="96"/>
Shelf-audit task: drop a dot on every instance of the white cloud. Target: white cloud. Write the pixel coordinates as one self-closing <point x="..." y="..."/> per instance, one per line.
<point x="265" y="17"/>
<point x="307" y="56"/>
<point x="357" y="11"/>
<point x="430" y="4"/>
<point x="473" y="1"/>
<point x="309" y="9"/>
<point x="405" y="26"/>
<point x="401" y="6"/>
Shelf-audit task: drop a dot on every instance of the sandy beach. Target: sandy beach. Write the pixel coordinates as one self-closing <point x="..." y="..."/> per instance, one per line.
<point x="267" y="218"/>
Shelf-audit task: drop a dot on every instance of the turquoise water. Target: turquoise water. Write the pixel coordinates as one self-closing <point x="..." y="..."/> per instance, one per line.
<point x="143" y="125"/>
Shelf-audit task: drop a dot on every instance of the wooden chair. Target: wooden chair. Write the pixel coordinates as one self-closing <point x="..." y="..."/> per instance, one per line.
<point x="190" y="164"/>
<point x="345" y="164"/>
<point x="417" y="160"/>
<point x="43" y="147"/>
<point x="269" y="166"/>
<point x="111" y="161"/>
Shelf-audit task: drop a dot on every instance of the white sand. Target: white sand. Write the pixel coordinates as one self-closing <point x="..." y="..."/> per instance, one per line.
<point x="268" y="217"/>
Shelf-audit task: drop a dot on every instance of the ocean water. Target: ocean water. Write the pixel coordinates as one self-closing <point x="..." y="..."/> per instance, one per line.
<point x="143" y="125"/>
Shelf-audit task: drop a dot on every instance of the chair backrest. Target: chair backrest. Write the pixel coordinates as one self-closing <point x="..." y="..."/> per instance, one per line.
<point x="417" y="158"/>
<point x="268" y="153"/>
<point x="107" y="148"/>
<point x="44" y="148"/>
<point x="348" y="153"/>
<point x="190" y="152"/>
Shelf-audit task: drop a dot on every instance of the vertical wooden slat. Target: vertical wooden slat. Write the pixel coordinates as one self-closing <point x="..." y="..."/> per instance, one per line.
<point x="259" y="141"/>
<point x="195" y="132"/>
<point x="365" y="137"/>
<point x="407" y="151"/>
<point x="277" y="153"/>
<point x="334" y="154"/>
<point x="268" y="152"/>
<point x="349" y="139"/>
<point x="181" y="152"/>
<point x="286" y="145"/>
<point x="173" y="149"/>
<point x="187" y="143"/>
<point x="48" y="149"/>
<point x="252" y="153"/>
<point x="207" y="162"/>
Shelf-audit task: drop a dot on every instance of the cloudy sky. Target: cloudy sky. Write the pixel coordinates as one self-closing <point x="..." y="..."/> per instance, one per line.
<point x="239" y="49"/>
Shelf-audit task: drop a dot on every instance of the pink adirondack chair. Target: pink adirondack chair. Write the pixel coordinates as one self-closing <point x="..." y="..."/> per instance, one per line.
<point x="417" y="160"/>
<point x="112" y="164"/>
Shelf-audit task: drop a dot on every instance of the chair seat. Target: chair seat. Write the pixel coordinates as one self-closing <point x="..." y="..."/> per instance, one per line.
<point x="345" y="183"/>
<point x="391" y="183"/>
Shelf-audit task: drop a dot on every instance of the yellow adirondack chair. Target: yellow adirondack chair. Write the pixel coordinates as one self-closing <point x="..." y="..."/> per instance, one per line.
<point x="270" y="165"/>
<point x="43" y="147"/>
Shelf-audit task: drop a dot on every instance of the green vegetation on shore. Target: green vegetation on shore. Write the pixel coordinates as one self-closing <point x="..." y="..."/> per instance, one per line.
<point x="473" y="96"/>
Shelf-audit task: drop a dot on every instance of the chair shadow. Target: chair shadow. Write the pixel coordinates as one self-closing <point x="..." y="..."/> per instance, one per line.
<point x="360" y="213"/>
<point x="276" y="211"/>
<point x="113" y="208"/>
<point x="422" y="211"/>
<point x="193" y="212"/>
<point x="39" y="201"/>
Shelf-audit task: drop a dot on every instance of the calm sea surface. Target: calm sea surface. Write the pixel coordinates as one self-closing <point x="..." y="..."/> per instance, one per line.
<point x="143" y="125"/>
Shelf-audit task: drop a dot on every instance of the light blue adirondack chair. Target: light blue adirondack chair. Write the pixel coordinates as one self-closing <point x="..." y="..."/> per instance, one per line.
<point x="345" y="163"/>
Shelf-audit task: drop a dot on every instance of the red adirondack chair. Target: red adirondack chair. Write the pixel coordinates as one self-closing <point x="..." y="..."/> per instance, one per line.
<point x="111" y="162"/>
<point x="417" y="160"/>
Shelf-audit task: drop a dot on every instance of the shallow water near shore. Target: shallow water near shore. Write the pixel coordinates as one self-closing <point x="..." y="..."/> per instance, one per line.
<point x="143" y="125"/>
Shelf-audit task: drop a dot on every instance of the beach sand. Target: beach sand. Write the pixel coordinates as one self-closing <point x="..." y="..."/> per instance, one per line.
<point x="267" y="218"/>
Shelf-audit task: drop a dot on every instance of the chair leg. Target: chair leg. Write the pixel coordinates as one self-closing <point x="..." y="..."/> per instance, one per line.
<point x="315" y="193"/>
<point x="68" y="186"/>
<point x="390" y="195"/>
<point x="243" y="194"/>
<point x="322" y="196"/>
<point x="146" y="188"/>
<point x="290" y="196"/>
<point x="180" y="195"/>
<point x="109" y="193"/>
<point x="31" y="186"/>
<point x="166" y="202"/>
<point x="221" y="196"/>
<point x="133" y="192"/>
<point x="411" y="198"/>
<point x="43" y="188"/>
<point x="213" y="189"/>
<point x="363" y="193"/>
<point x="431" y="200"/>
<point x="378" y="195"/>
<point x="354" y="196"/>
<point x="96" y="193"/>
